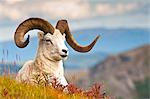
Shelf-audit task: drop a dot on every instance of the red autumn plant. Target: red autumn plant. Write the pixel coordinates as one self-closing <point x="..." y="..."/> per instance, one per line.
<point x="57" y="85"/>
<point x="72" y="89"/>
<point x="4" y="93"/>
<point x="95" y="92"/>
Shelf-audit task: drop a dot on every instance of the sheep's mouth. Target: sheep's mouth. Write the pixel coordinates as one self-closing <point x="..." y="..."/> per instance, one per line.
<point x="63" y="56"/>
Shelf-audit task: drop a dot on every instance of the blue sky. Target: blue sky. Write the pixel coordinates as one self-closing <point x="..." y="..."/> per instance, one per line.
<point x="79" y="13"/>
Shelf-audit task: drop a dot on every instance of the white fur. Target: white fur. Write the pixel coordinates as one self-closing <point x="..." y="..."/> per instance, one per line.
<point x="48" y="60"/>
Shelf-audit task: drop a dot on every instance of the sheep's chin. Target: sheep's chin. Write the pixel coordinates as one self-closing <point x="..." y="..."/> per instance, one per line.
<point x="65" y="58"/>
<point x="58" y="58"/>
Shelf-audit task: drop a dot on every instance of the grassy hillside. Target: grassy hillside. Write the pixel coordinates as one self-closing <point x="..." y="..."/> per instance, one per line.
<point x="10" y="89"/>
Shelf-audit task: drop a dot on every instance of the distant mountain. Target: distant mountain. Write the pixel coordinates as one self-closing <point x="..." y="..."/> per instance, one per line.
<point x="112" y="41"/>
<point x="119" y="73"/>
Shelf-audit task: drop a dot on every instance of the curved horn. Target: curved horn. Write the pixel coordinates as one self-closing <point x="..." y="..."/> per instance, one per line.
<point x="62" y="25"/>
<point x="30" y="24"/>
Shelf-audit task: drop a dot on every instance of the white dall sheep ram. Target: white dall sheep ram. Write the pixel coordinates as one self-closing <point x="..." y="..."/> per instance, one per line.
<point x="51" y="51"/>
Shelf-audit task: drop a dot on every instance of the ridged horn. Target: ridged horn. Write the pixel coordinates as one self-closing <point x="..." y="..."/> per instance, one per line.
<point x="62" y="25"/>
<point x="30" y="24"/>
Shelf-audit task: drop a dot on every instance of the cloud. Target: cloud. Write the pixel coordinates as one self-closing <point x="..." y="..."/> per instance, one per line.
<point x="12" y="1"/>
<point x="15" y="10"/>
<point x="115" y="9"/>
<point x="8" y="12"/>
<point x="68" y="9"/>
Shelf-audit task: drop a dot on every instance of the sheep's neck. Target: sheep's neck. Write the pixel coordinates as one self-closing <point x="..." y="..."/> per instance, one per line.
<point x="48" y="66"/>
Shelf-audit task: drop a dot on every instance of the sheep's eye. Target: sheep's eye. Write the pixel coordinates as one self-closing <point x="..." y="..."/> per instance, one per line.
<point x="49" y="41"/>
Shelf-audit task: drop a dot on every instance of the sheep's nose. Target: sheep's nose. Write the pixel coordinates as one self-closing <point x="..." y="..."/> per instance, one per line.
<point x="65" y="51"/>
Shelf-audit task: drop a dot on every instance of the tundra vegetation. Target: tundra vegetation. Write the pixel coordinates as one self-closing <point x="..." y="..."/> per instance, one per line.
<point x="10" y="89"/>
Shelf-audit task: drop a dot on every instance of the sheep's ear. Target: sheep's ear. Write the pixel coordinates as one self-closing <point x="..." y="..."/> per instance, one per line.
<point x="40" y="35"/>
